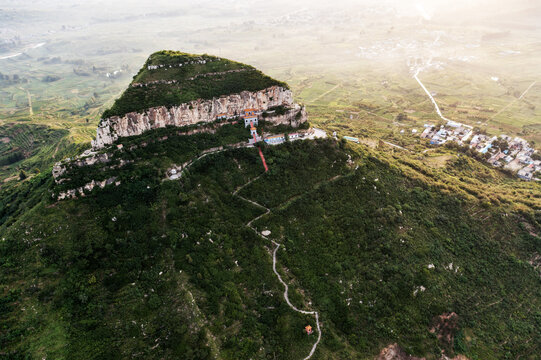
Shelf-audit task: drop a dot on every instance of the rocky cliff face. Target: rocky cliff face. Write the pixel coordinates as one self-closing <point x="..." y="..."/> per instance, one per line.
<point x="200" y="111"/>
<point x="87" y="188"/>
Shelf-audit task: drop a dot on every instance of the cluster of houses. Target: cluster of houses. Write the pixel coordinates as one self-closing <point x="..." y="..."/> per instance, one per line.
<point x="453" y="131"/>
<point x="280" y="138"/>
<point x="514" y="154"/>
<point x="115" y="74"/>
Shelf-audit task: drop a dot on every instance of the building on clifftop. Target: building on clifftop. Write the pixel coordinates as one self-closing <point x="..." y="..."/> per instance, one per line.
<point x="250" y="117"/>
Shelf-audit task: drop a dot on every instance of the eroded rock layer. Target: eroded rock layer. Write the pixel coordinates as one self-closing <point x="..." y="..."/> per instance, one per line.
<point x="200" y="111"/>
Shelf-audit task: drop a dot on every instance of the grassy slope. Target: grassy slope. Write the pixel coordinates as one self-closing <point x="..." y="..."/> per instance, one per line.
<point x="142" y="98"/>
<point x="85" y="262"/>
<point x="88" y="265"/>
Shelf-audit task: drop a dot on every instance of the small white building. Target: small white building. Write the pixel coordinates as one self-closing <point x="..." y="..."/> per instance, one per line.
<point x="275" y="139"/>
<point x="294" y="136"/>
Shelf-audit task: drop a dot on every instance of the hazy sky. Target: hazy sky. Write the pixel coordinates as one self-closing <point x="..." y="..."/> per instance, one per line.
<point x="431" y="7"/>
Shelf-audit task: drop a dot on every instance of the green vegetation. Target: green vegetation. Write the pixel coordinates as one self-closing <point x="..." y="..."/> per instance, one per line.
<point x="160" y="255"/>
<point x="158" y="150"/>
<point x="156" y="269"/>
<point x="32" y="148"/>
<point x="195" y="77"/>
<point x="361" y="246"/>
<point x="150" y="283"/>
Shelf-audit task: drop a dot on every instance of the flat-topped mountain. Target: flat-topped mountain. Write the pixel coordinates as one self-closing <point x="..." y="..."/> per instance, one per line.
<point x="179" y="89"/>
<point x="170" y="78"/>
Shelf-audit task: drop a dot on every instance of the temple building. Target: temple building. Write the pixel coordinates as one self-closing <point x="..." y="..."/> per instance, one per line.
<point x="250" y="116"/>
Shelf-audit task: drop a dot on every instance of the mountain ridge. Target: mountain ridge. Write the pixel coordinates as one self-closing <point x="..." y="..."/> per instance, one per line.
<point x="375" y="248"/>
<point x="170" y="78"/>
<point x="180" y="89"/>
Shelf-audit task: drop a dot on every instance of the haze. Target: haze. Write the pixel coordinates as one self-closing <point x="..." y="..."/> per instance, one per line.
<point x="478" y="53"/>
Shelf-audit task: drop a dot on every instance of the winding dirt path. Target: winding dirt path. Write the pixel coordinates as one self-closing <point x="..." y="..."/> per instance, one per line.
<point x="29" y="97"/>
<point x="275" y="251"/>
<point x="276" y="245"/>
<point x="514" y="100"/>
<point x="395" y="146"/>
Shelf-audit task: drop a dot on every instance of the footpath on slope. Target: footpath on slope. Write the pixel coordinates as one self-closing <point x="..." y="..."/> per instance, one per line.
<point x="275" y="251"/>
<point x="277" y="246"/>
<point x="514" y="100"/>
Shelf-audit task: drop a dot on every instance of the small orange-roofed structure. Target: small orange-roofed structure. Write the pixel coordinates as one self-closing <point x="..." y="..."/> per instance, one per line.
<point x="253" y="131"/>
<point x="250" y="116"/>
<point x="308" y="329"/>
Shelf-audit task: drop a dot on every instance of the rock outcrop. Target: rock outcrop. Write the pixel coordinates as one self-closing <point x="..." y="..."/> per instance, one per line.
<point x="200" y="111"/>
<point x="85" y="159"/>
<point x="395" y="352"/>
<point x="87" y="188"/>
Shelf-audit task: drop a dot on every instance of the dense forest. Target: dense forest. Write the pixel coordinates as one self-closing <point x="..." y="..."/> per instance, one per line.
<point x="168" y="269"/>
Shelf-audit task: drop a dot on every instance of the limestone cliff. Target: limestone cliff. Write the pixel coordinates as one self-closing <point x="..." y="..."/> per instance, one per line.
<point x="200" y="111"/>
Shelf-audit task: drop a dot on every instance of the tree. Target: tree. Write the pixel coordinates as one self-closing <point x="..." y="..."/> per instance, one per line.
<point x="401" y="117"/>
<point x="22" y="175"/>
<point x="500" y="144"/>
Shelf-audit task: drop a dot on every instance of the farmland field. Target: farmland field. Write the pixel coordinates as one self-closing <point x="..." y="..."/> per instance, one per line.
<point x="359" y="81"/>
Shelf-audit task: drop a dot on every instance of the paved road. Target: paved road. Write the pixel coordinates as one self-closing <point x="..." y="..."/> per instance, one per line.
<point x="416" y="77"/>
<point x="180" y="171"/>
